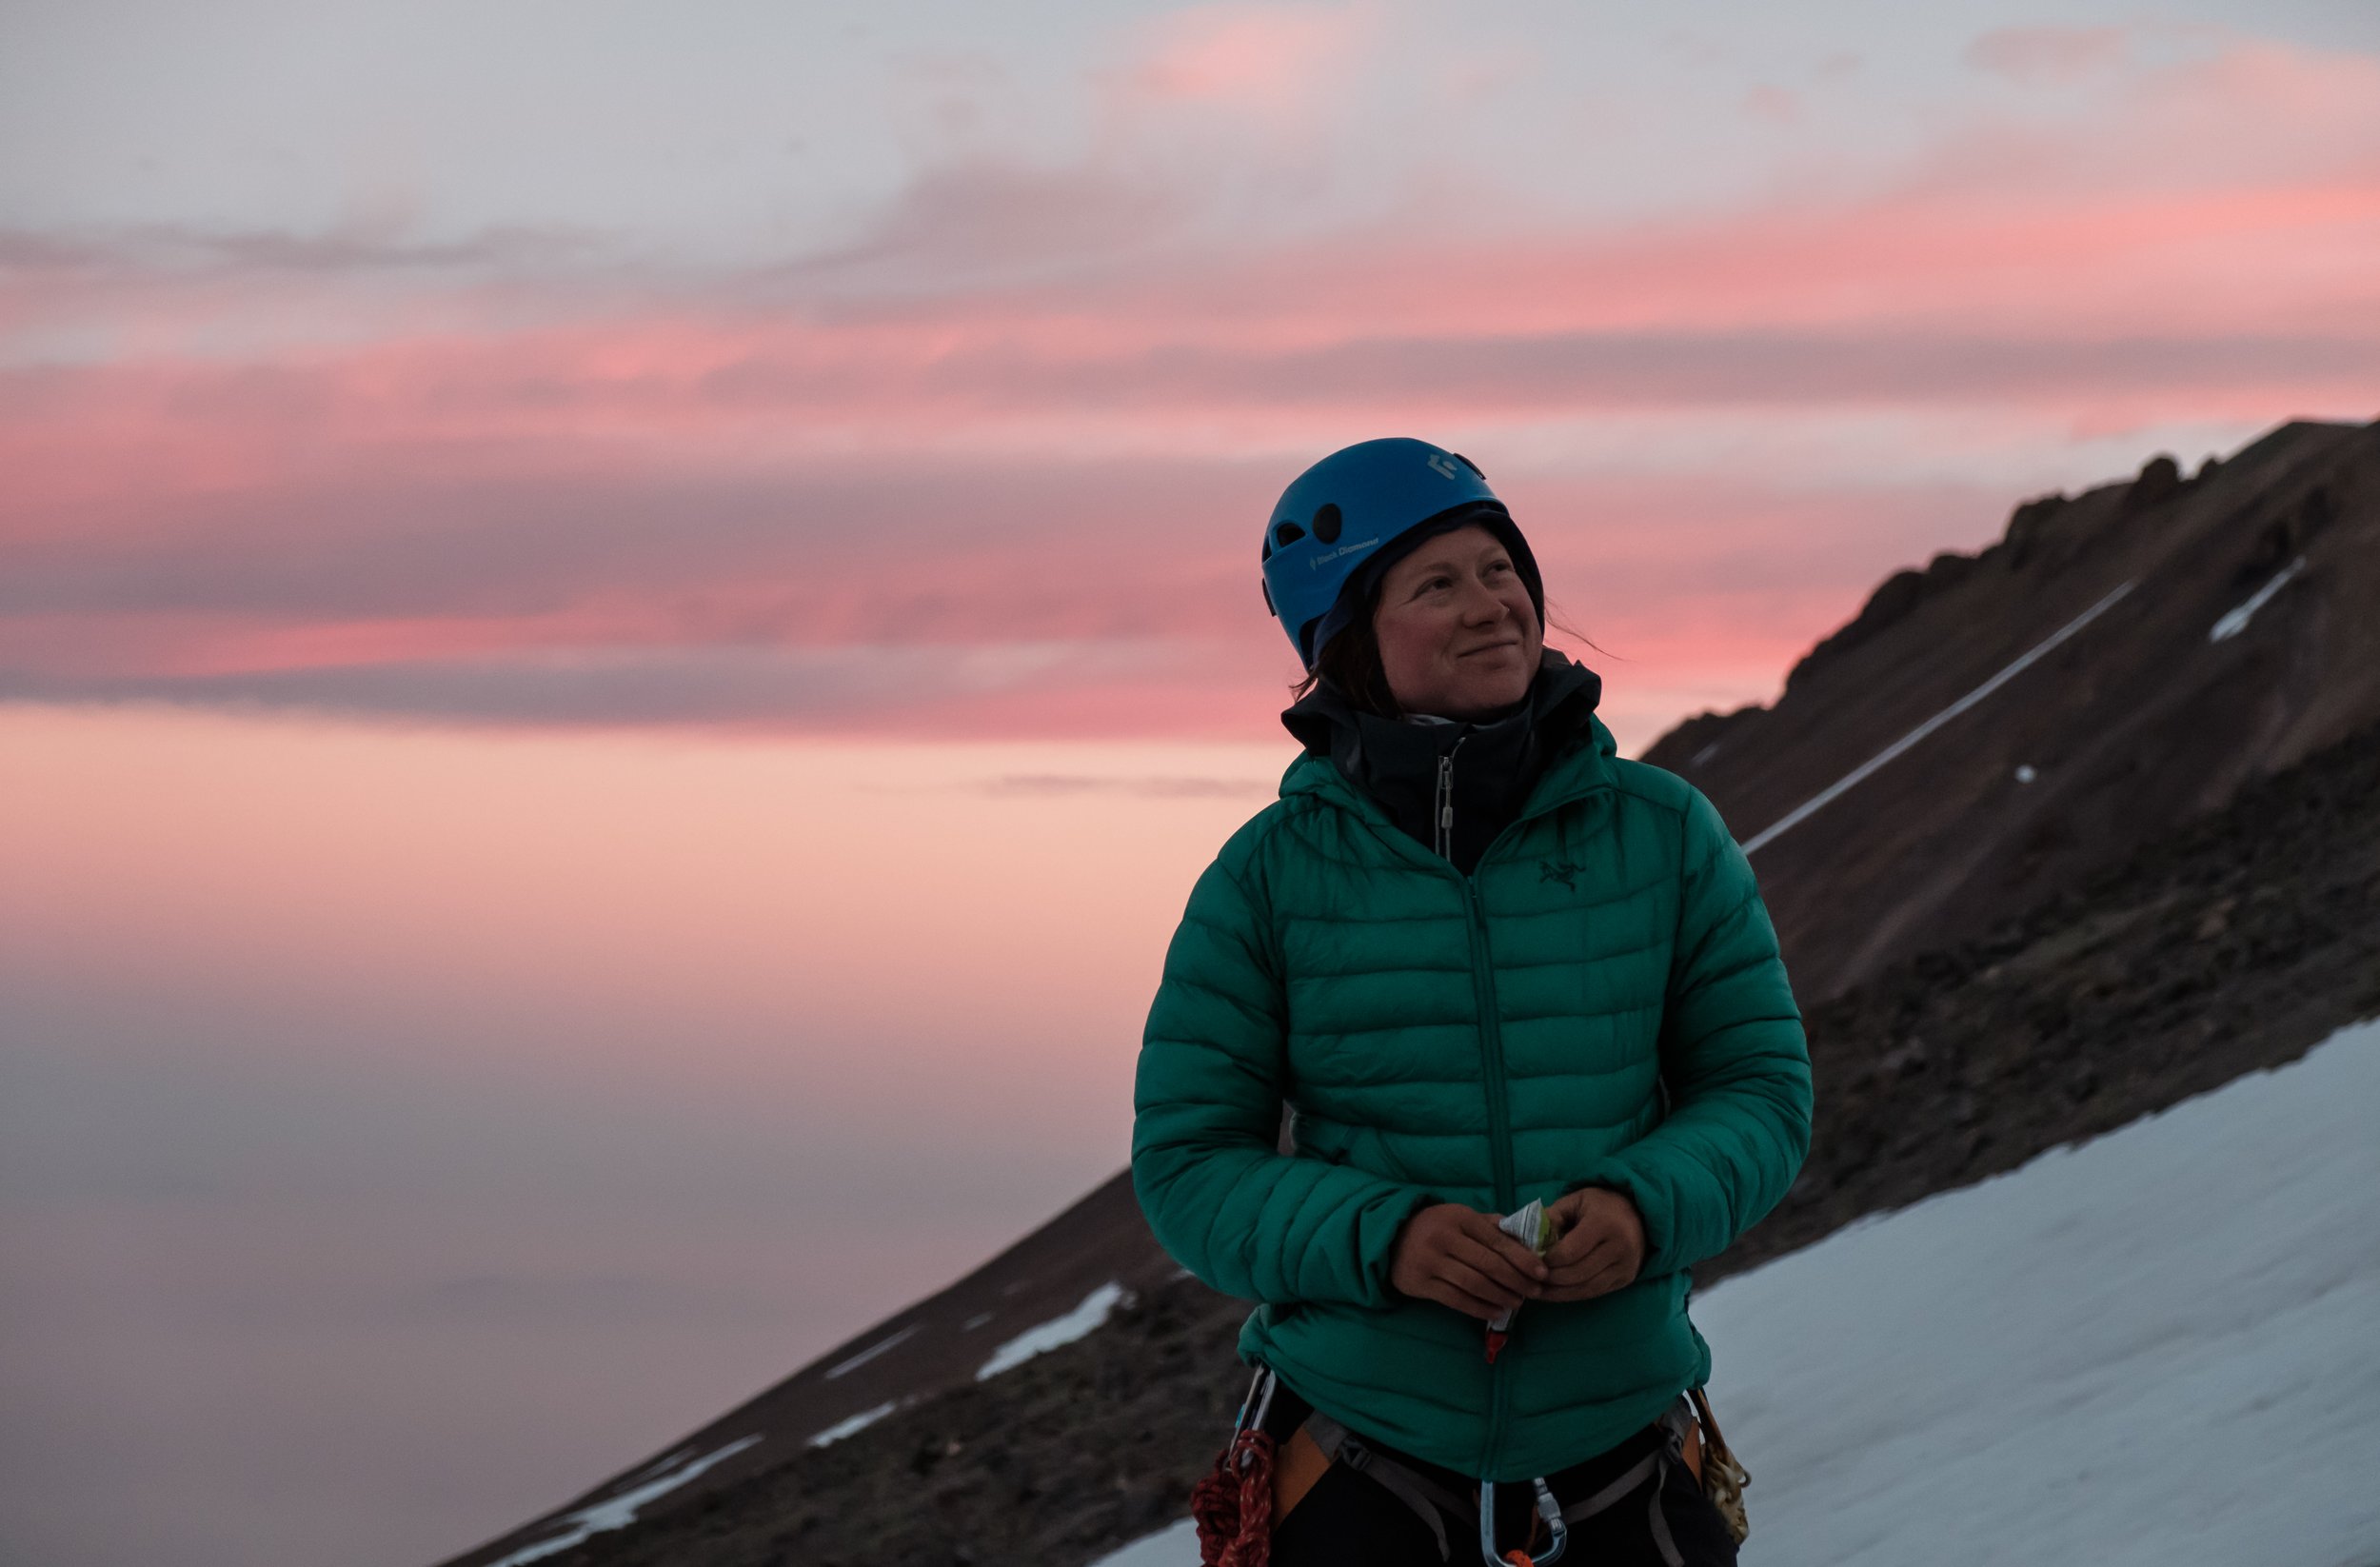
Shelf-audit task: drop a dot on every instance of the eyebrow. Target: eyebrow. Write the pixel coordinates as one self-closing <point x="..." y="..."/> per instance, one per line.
<point x="1430" y="567"/>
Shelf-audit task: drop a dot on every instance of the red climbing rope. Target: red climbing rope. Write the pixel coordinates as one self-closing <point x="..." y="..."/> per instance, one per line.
<point x="1233" y="1505"/>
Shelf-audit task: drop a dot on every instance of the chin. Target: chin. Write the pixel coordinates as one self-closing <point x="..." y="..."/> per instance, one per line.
<point x="1484" y="694"/>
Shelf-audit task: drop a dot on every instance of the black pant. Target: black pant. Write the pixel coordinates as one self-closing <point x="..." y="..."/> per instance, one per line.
<point x="1349" y="1519"/>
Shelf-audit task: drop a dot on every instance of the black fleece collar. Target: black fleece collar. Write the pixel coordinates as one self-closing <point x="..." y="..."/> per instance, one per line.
<point x="1496" y="761"/>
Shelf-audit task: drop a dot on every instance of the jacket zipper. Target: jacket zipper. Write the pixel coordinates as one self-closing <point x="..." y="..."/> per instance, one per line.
<point x="1491" y="1063"/>
<point x="1444" y="813"/>
<point x="1499" y="1131"/>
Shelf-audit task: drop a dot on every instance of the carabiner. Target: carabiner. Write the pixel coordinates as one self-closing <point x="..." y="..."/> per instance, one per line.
<point x="1548" y="1509"/>
<point x="1253" y="1409"/>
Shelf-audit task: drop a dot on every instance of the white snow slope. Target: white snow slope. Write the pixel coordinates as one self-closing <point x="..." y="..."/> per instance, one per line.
<point x="2158" y="1349"/>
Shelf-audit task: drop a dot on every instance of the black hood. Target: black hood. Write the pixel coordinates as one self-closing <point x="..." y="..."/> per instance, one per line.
<point x="1497" y="761"/>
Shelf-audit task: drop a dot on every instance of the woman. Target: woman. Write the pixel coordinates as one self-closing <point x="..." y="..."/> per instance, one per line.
<point x="1483" y="963"/>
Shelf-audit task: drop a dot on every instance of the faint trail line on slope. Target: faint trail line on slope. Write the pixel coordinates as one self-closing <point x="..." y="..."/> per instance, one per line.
<point x="856" y="1361"/>
<point x="1811" y="806"/>
<point x="2235" y="623"/>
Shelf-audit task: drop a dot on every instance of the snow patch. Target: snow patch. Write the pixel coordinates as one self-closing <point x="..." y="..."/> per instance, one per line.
<point x="1039" y="1340"/>
<point x="620" y="1511"/>
<point x="852" y="1425"/>
<point x="2236" y="621"/>
<point x="870" y="1353"/>
<point x="1174" y="1546"/>
<point x="975" y="1321"/>
<point x="2025" y="773"/>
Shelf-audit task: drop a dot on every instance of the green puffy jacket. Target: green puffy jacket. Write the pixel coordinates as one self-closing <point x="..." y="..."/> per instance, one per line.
<point x="1482" y="1040"/>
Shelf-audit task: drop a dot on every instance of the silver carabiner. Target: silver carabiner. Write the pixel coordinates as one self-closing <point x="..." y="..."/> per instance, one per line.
<point x="1260" y="1400"/>
<point x="1548" y="1509"/>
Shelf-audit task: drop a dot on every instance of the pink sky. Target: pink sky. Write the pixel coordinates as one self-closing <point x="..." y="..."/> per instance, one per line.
<point x="994" y="459"/>
<point x="617" y="643"/>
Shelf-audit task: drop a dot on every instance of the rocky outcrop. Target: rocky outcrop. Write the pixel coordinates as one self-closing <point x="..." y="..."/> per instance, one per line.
<point x="2153" y="710"/>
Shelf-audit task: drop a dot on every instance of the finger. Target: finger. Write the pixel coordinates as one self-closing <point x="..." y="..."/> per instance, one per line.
<point x="1592" y="1287"/>
<point x="1600" y="1254"/>
<point x="1487" y="1233"/>
<point x="1588" y="1227"/>
<point x="1572" y="1246"/>
<point x="1485" y="1286"/>
<point x="1617" y="1274"/>
<point x="1486" y="1230"/>
<point x="1496" y="1264"/>
<point x="1579" y="1244"/>
<point x="1479" y="1287"/>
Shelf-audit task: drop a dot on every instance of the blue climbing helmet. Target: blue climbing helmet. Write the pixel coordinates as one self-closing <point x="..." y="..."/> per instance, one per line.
<point x="1346" y="513"/>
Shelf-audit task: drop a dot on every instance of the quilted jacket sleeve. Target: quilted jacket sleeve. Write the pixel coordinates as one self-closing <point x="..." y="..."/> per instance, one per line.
<point x="1246" y="1219"/>
<point x="1734" y="1060"/>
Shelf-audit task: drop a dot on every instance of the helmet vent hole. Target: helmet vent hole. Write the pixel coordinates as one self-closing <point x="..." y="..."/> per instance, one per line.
<point x="1287" y="534"/>
<point x="1469" y="463"/>
<point x="1268" y="548"/>
<point x="1326" y="524"/>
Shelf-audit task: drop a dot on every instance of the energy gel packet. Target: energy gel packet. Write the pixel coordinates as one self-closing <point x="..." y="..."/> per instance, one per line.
<point x="1534" y="1229"/>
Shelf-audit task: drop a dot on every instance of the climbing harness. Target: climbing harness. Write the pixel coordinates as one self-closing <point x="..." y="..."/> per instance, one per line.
<point x="1234" y="1505"/>
<point x="1422" y="1496"/>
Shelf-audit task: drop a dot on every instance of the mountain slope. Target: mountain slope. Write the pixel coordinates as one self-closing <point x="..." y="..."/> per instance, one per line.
<point x="2090" y="953"/>
<point x="2155" y="706"/>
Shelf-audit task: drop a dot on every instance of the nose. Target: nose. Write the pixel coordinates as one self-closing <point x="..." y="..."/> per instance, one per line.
<point x="1482" y="606"/>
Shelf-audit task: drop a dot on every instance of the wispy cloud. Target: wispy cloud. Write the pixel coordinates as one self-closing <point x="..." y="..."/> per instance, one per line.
<point x="991" y="458"/>
<point x="2047" y="53"/>
<point x="1043" y="786"/>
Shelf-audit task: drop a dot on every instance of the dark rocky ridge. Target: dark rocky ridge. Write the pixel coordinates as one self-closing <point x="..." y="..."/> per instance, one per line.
<point x="2139" y="721"/>
<point x="1988" y="969"/>
<point x="2235" y="943"/>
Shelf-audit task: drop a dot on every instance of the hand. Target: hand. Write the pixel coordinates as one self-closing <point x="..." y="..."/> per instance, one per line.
<point x="1602" y="1247"/>
<point x="1457" y="1256"/>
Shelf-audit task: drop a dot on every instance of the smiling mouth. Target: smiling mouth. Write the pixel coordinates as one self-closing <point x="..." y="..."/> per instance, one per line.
<point x="1491" y="648"/>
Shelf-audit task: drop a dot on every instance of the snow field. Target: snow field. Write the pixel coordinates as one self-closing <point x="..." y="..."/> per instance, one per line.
<point x="2157" y="1349"/>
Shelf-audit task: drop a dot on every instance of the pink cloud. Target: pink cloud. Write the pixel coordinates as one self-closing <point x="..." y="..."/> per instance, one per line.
<point x="483" y="500"/>
<point x="1272" y="57"/>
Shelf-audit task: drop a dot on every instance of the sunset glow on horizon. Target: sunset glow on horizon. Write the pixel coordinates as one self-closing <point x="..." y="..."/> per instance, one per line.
<point x="621" y="631"/>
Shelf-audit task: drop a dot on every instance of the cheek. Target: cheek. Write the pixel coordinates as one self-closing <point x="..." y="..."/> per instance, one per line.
<point x="1405" y="643"/>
